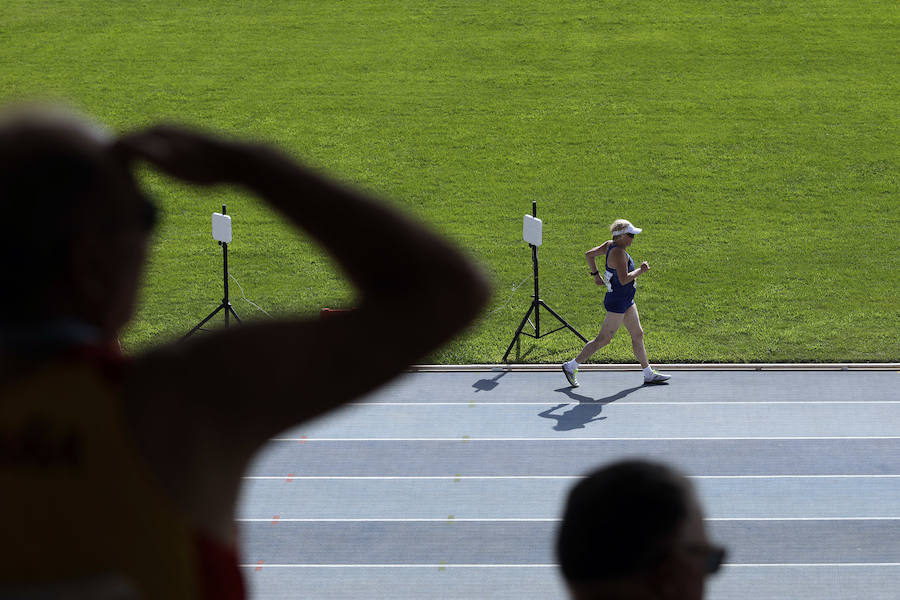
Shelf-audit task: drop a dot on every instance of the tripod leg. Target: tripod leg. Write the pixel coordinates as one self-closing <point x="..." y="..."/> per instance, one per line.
<point x="563" y="321"/>
<point x="203" y="322"/>
<point x="231" y="310"/>
<point x="519" y="330"/>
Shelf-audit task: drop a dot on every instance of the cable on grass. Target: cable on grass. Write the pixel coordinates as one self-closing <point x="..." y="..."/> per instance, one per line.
<point x="259" y="308"/>
<point x="247" y="300"/>
<point x="515" y="287"/>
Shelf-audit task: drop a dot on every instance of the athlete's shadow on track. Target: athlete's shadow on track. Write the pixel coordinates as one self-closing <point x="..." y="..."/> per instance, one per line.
<point x="586" y="411"/>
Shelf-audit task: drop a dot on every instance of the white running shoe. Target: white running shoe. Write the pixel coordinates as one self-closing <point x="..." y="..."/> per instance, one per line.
<point x="656" y="378"/>
<point x="571" y="376"/>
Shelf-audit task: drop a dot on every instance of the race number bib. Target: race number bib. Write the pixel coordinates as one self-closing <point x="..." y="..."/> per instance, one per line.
<point x="607" y="278"/>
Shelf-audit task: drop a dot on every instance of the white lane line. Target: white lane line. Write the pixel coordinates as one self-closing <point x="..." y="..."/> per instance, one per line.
<point x="439" y="520"/>
<point x="790" y="476"/>
<point x="588" y="439"/>
<point x="802" y="519"/>
<point x="409" y="477"/>
<point x="566" y="477"/>
<point x="756" y="565"/>
<point x="261" y="566"/>
<point x="544" y="520"/>
<point x="617" y="404"/>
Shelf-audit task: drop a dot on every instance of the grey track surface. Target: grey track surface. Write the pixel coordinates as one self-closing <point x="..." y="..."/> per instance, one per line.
<point x="449" y="485"/>
<point x="532" y="543"/>
<point x="710" y="457"/>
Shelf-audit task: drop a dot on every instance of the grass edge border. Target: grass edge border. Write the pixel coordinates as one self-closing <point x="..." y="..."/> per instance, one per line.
<point x="514" y="367"/>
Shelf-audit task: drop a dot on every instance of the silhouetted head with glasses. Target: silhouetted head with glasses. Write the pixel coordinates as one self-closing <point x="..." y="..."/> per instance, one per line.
<point x="634" y="530"/>
<point x="76" y="225"/>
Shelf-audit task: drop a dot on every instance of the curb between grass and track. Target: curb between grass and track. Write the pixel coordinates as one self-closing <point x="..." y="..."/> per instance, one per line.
<point x="663" y="367"/>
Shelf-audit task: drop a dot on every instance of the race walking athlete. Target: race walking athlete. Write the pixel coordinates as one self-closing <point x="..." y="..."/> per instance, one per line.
<point x="619" y="301"/>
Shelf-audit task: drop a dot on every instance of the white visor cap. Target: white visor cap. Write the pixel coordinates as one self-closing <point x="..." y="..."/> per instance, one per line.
<point x="630" y="229"/>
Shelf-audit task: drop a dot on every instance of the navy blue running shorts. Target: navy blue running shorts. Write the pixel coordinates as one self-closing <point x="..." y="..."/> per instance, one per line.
<point x="615" y="303"/>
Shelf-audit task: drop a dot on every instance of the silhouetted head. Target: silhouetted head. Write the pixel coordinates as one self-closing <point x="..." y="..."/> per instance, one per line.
<point x="73" y="223"/>
<point x="634" y="529"/>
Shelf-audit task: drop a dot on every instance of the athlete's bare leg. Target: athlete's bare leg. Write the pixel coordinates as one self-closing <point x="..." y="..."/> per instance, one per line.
<point x="633" y="324"/>
<point x="611" y="324"/>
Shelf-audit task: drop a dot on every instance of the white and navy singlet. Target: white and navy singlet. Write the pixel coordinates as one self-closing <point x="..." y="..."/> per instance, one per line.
<point x="618" y="297"/>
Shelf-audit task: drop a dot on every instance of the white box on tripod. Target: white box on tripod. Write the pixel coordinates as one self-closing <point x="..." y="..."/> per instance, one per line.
<point x="221" y="227"/>
<point x="532" y="230"/>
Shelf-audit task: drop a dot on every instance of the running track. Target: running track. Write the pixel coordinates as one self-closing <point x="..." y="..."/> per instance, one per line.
<point x="449" y="485"/>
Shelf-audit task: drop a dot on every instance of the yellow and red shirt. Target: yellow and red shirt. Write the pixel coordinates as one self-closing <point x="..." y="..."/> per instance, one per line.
<point x="79" y="500"/>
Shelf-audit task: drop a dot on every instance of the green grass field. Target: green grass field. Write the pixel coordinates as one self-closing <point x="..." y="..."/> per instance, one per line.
<point x="756" y="143"/>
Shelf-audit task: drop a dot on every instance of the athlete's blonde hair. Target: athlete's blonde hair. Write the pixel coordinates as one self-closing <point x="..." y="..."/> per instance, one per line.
<point x="618" y="225"/>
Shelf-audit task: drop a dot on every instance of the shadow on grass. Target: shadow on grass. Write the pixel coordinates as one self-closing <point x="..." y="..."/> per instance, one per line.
<point x="586" y="411"/>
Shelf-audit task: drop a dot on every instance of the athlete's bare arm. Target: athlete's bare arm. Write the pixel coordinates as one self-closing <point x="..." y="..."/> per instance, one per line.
<point x="596" y="251"/>
<point x="617" y="258"/>
<point x="591" y="257"/>
<point x="235" y="388"/>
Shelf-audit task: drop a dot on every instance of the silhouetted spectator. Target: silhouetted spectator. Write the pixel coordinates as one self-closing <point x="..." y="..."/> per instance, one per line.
<point x="133" y="466"/>
<point x="634" y="530"/>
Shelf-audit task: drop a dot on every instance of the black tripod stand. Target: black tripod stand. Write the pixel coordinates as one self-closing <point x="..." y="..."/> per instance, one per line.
<point x="225" y="305"/>
<point x="536" y="304"/>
